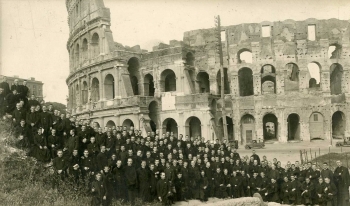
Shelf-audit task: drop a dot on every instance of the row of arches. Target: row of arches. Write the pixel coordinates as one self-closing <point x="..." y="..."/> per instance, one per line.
<point x="270" y="126"/>
<point x="245" y="55"/>
<point x="245" y="81"/>
<point x="87" y="49"/>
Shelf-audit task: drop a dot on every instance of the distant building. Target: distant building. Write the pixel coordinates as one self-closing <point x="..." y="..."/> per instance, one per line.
<point x="35" y="87"/>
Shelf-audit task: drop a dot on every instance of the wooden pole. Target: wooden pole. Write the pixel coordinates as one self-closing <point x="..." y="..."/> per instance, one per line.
<point x="310" y="155"/>
<point x="222" y="72"/>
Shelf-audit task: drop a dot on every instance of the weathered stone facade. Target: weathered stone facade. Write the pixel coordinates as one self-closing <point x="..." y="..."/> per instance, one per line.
<point x="274" y="96"/>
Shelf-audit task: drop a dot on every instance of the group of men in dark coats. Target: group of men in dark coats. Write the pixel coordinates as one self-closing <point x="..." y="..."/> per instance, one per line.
<point x="120" y="163"/>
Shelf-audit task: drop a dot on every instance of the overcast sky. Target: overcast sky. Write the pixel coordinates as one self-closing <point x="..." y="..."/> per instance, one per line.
<point x="34" y="32"/>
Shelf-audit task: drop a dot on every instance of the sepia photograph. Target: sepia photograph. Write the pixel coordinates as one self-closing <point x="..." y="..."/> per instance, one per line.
<point x="174" y="102"/>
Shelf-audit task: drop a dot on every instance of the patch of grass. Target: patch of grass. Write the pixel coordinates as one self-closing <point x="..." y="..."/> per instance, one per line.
<point x="331" y="159"/>
<point x="24" y="181"/>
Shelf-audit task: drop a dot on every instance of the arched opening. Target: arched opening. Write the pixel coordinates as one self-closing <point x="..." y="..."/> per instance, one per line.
<point x="85" y="92"/>
<point x="245" y="79"/>
<point x="270" y="127"/>
<point x="168" y="81"/>
<point x="128" y="123"/>
<point x="229" y="125"/>
<point x="293" y="127"/>
<point x="316" y="126"/>
<point x="95" y="44"/>
<point x="110" y="124"/>
<point x="336" y="74"/>
<point x="109" y="86"/>
<point x="193" y="127"/>
<point x="77" y="57"/>
<point x="338" y="125"/>
<point x="244" y="56"/>
<point x="226" y="82"/>
<point x="134" y="84"/>
<point x="334" y="51"/>
<point x="153" y="114"/>
<point x="189" y="59"/>
<point x="149" y="85"/>
<point x="314" y="72"/>
<point x="268" y="79"/>
<point x="248" y="128"/>
<point x="170" y="125"/>
<point x="95" y="90"/>
<point x="203" y="82"/>
<point x="85" y="49"/>
<point x="291" y="81"/>
<point x="133" y="68"/>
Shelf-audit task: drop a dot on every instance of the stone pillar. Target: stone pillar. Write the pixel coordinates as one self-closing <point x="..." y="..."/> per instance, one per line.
<point x="303" y="81"/>
<point x="280" y="83"/>
<point x="235" y="85"/>
<point x="257" y="84"/>
<point x="102" y="91"/>
<point x="325" y="82"/>
<point x="213" y="85"/>
<point x="116" y="82"/>
<point x="282" y="120"/>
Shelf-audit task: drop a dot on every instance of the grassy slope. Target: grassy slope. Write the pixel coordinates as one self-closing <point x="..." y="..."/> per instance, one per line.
<point x="25" y="181"/>
<point x="331" y="159"/>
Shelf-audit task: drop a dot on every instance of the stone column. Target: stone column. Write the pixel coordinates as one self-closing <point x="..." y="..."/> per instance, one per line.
<point x="102" y="95"/>
<point x="303" y="81"/>
<point x="257" y="84"/>
<point x="325" y="82"/>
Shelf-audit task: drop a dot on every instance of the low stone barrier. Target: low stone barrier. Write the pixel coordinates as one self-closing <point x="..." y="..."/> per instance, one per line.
<point x="244" y="201"/>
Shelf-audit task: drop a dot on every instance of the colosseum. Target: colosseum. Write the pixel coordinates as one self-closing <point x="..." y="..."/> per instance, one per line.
<point x="283" y="81"/>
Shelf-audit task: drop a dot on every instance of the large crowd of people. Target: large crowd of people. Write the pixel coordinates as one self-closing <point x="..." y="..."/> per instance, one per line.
<point x="120" y="163"/>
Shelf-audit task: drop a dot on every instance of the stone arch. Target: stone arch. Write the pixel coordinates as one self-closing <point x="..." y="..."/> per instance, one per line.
<point x="85" y="92"/>
<point x="270" y="127"/>
<point x="226" y="82"/>
<point x="316" y="126"/>
<point x="193" y="127"/>
<point x="189" y="59"/>
<point x="268" y="79"/>
<point x="244" y="56"/>
<point x="291" y="81"/>
<point x="128" y="123"/>
<point x="95" y="90"/>
<point x="245" y="80"/>
<point x="247" y="128"/>
<point x="85" y="48"/>
<point x="109" y="86"/>
<point x="230" y="128"/>
<point x="95" y="45"/>
<point x="170" y="125"/>
<point x="338" y="125"/>
<point x="149" y="85"/>
<point x="110" y="124"/>
<point x="314" y="69"/>
<point x="203" y="82"/>
<point x="293" y="127"/>
<point x="134" y="72"/>
<point x="153" y="108"/>
<point x="168" y="81"/>
<point x="336" y="75"/>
